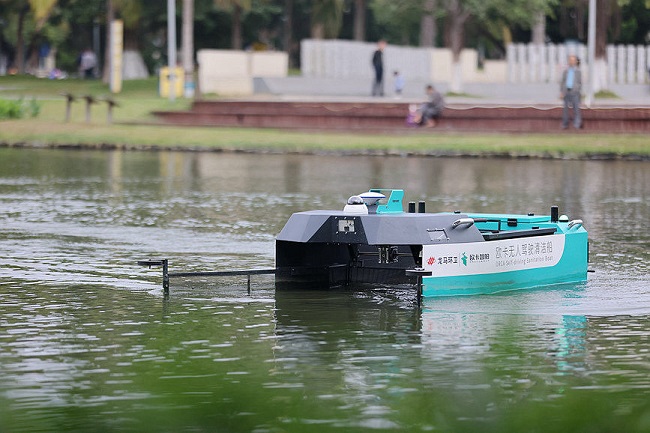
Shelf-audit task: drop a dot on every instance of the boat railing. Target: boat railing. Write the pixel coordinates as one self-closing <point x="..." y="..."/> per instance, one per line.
<point x="514" y="234"/>
<point x="575" y="223"/>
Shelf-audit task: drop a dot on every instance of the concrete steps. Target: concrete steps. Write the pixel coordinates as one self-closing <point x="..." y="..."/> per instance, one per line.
<point x="383" y="116"/>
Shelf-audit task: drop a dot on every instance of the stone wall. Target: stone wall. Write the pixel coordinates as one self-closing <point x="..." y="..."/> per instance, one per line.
<point x="230" y="72"/>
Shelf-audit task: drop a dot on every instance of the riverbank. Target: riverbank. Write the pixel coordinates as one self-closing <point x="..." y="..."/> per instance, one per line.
<point x="156" y="138"/>
<point x="135" y="129"/>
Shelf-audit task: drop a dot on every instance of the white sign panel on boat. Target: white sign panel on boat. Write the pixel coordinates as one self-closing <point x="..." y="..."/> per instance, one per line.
<point x="493" y="256"/>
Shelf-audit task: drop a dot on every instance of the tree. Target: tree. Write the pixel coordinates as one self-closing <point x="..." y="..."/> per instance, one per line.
<point x="359" y="20"/>
<point x="40" y="11"/>
<point x="493" y="15"/>
<point x="538" y="36"/>
<point x="608" y="26"/>
<point x="237" y="8"/>
<point x="457" y="16"/>
<point x="428" y="28"/>
<point x="607" y="9"/>
<point x="20" y="40"/>
<point x="326" y="17"/>
<point x="399" y="19"/>
<point x="110" y="17"/>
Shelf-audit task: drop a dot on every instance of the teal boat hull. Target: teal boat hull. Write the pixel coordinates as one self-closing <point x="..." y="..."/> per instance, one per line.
<point x="508" y="264"/>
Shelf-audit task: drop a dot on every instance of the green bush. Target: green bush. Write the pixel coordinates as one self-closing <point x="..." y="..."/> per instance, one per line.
<point x="16" y="109"/>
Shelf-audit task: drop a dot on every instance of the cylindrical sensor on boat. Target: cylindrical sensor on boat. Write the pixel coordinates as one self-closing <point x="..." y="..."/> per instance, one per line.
<point x="411" y="207"/>
<point x="554" y="214"/>
<point x="421" y="207"/>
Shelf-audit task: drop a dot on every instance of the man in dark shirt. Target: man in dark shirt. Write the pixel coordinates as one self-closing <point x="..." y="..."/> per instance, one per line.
<point x="378" y="65"/>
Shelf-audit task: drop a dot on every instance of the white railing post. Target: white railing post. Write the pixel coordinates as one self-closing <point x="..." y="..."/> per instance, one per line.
<point x="611" y="65"/>
<point x="521" y="59"/>
<point x="640" y="64"/>
<point x="553" y="63"/>
<point x="511" y="55"/>
<point x="620" y="64"/>
<point x="532" y="62"/>
<point x="543" y="63"/>
<point x="631" y="67"/>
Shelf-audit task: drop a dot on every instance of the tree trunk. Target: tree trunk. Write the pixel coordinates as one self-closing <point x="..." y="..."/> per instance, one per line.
<point x="20" y="41"/>
<point x="236" y="27"/>
<point x="539" y="29"/>
<point x="456" y="34"/>
<point x="317" y="31"/>
<point x="359" y="20"/>
<point x="603" y="18"/>
<point x="428" y="30"/>
<point x="188" y="46"/>
<point x="108" y="61"/>
<point x="287" y="40"/>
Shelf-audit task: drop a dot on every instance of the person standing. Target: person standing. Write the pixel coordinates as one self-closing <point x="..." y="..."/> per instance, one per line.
<point x="399" y="83"/>
<point x="570" y="88"/>
<point x="378" y="66"/>
<point x="87" y="63"/>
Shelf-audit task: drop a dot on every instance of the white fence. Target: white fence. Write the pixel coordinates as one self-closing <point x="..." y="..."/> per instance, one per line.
<point x="342" y="59"/>
<point x="529" y="63"/>
<point x="525" y="63"/>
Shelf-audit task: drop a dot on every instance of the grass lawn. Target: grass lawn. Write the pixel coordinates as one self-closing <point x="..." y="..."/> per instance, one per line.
<point x="140" y="97"/>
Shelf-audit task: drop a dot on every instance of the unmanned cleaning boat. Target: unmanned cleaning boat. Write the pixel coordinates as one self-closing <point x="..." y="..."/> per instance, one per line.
<point x="372" y="240"/>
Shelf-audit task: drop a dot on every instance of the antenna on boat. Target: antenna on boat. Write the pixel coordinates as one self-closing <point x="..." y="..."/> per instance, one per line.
<point x="555" y="211"/>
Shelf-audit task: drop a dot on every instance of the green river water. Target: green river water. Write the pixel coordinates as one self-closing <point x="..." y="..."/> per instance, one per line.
<point x="88" y="342"/>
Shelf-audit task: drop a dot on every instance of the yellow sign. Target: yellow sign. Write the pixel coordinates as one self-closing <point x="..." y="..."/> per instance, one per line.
<point x="165" y="81"/>
<point x="116" y="49"/>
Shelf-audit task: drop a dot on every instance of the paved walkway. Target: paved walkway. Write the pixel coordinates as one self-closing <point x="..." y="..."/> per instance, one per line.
<point x="301" y="88"/>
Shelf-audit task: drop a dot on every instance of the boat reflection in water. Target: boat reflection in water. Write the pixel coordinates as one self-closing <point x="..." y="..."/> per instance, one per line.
<point x="378" y="336"/>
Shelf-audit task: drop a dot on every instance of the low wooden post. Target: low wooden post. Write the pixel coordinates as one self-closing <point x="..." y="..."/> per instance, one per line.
<point x="110" y="103"/>
<point x="69" y="99"/>
<point x="89" y="101"/>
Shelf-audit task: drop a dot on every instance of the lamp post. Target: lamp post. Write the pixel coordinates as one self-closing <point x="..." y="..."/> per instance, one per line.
<point x="96" y="47"/>
<point x="3" y="66"/>
<point x="188" y="47"/>
<point x="171" y="47"/>
<point x="591" y="52"/>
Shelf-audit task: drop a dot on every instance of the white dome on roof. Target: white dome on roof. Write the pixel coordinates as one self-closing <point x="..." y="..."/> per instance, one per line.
<point x="371" y="198"/>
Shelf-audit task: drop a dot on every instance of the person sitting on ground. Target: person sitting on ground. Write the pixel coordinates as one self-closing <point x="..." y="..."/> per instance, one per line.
<point x="430" y="112"/>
